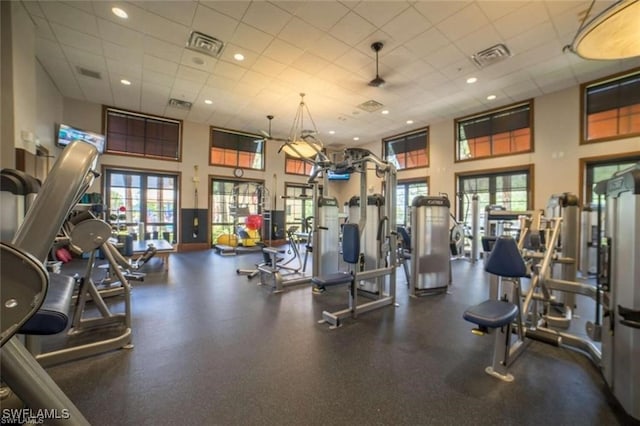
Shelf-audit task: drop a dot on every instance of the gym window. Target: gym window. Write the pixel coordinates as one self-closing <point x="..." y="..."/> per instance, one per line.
<point x="234" y="149"/>
<point x="405" y="193"/>
<point x="142" y="202"/>
<point x="231" y="203"/>
<point x="142" y="135"/>
<point x="498" y="132"/>
<point x="296" y="166"/>
<point x="509" y="188"/>
<point x="603" y="168"/>
<point x="610" y="108"/>
<point x="408" y="151"/>
<point x="298" y="205"/>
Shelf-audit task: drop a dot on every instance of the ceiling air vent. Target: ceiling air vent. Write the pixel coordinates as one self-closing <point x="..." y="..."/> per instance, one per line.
<point x="205" y="44"/>
<point x="491" y="55"/>
<point x="89" y="73"/>
<point x="177" y="103"/>
<point x="370" y="106"/>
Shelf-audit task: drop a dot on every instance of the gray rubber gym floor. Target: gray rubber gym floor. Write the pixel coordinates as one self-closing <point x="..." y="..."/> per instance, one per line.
<point x="212" y="348"/>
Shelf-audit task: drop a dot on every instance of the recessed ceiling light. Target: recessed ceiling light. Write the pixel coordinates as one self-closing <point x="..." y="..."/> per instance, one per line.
<point x="119" y="12"/>
<point x="471" y="80"/>
<point x="238" y="57"/>
<point x="491" y="97"/>
<point x="384" y="111"/>
<point x="332" y="132"/>
<point x="356" y="138"/>
<point x="208" y="101"/>
<point x="125" y="82"/>
<point x="409" y="121"/>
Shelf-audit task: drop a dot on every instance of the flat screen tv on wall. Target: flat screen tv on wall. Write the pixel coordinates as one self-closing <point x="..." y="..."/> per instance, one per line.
<point x="67" y="134"/>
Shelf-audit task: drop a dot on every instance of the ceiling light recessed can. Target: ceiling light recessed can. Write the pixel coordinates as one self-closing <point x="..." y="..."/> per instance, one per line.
<point x="208" y="101"/>
<point x="119" y="12"/>
<point x="409" y="121"/>
<point x="384" y="112"/>
<point x="125" y="82"/>
<point x="356" y="138"/>
<point x="332" y="132"/>
<point x="238" y="57"/>
<point x="471" y="80"/>
<point x="491" y="97"/>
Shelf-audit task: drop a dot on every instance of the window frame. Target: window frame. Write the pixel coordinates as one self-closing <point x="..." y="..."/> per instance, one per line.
<point x="583" y="106"/>
<point x="392" y="138"/>
<point x="601" y="160"/>
<point x="263" y="152"/>
<point x="456" y="133"/>
<point x="495" y="172"/>
<point x="406" y="183"/>
<point x="105" y="125"/>
<point x="106" y="171"/>
<point x="306" y="164"/>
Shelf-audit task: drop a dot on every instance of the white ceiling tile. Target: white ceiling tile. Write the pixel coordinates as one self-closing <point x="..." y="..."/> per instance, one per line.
<point x="445" y="56"/>
<point x="185" y="90"/>
<point x="160" y="92"/>
<point x="296" y="79"/>
<point x="124" y="70"/>
<point x="532" y="38"/>
<point x="256" y="79"/>
<point x="251" y="38"/>
<point x="164" y="29"/>
<point x="155" y="78"/>
<point x="266" y="17"/>
<point x="282" y="51"/>
<point x="72" y="38"/>
<point x="62" y="76"/>
<point x="175" y="113"/>
<point x="197" y="60"/>
<point x="356" y="62"/>
<point x="268" y="66"/>
<point x="235" y="9"/>
<point x="43" y="30"/>
<point x="159" y="65"/>
<point x="558" y="7"/>
<point x="522" y="19"/>
<point x="329" y="48"/>
<point x="85" y="6"/>
<point x="323" y="15"/>
<point x="213" y="23"/>
<point x="567" y="22"/>
<point x="192" y="74"/>
<point x="416" y="69"/>
<point x="229" y="70"/>
<point x="479" y="40"/>
<point x="406" y="25"/>
<point x="518" y="90"/>
<point x="299" y="33"/>
<point x="134" y="21"/>
<point x="162" y="49"/>
<point x="120" y="35"/>
<point x="181" y="12"/>
<point x="230" y="50"/>
<point x="69" y="17"/>
<point x="463" y="22"/>
<point x="427" y="42"/>
<point x="438" y="11"/>
<point x="34" y="9"/>
<point x="310" y="63"/>
<point x="380" y="12"/>
<point x="96" y="89"/>
<point x="431" y="80"/>
<point x="48" y="48"/>
<point x="85" y="59"/>
<point x="497" y="9"/>
<point x="220" y="82"/>
<point x="352" y="29"/>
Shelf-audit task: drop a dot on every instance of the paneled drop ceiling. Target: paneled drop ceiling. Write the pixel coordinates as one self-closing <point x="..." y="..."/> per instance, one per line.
<point x="321" y="48"/>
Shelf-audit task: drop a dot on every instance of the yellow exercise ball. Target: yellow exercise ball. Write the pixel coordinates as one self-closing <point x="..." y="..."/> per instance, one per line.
<point x="228" y="240"/>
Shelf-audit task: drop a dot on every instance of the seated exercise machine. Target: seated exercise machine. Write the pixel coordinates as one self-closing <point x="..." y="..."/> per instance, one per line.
<point x="278" y="273"/>
<point x="24" y="284"/>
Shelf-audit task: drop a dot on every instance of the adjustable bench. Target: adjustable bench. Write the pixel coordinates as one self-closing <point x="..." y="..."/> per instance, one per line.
<point x="505" y="261"/>
<point x="53" y="315"/>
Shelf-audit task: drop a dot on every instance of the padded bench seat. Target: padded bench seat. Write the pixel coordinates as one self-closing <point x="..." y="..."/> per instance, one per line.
<point x="491" y="313"/>
<point x="333" y="279"/>
<point x="53" y="315"/>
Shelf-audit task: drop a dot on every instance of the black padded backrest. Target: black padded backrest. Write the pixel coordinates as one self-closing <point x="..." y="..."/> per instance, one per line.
<point x="505" y="259"/>
<point x="350" y="243"/>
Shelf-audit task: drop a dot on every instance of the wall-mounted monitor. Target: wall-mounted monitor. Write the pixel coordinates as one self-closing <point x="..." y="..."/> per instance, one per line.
<point x="67" y="134"/>
<point x="331" y="175"/>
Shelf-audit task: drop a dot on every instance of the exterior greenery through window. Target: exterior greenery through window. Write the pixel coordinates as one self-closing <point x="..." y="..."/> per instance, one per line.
<point x="405" y="193"/>
<point x="235" y="149"/>
<point x="149" y="200"/>
<point x="602" y="170"/>
<point x="509" y="189"/>
<point x="296" y="166"/>
<point x="142" y="135"/>
<point x="231" y="203"/>
<point x="298" y="205"/>
<point x="611" y="109"/>
<point x="497" y="132"/>
<point x="409" y="150"/>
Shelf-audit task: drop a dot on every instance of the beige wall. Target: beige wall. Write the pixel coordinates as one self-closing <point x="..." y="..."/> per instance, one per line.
<point x="49" y="106"/>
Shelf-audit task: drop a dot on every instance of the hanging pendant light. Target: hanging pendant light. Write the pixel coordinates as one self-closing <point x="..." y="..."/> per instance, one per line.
<point x="613" y="34"/>
<point x="302" y="143"/>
